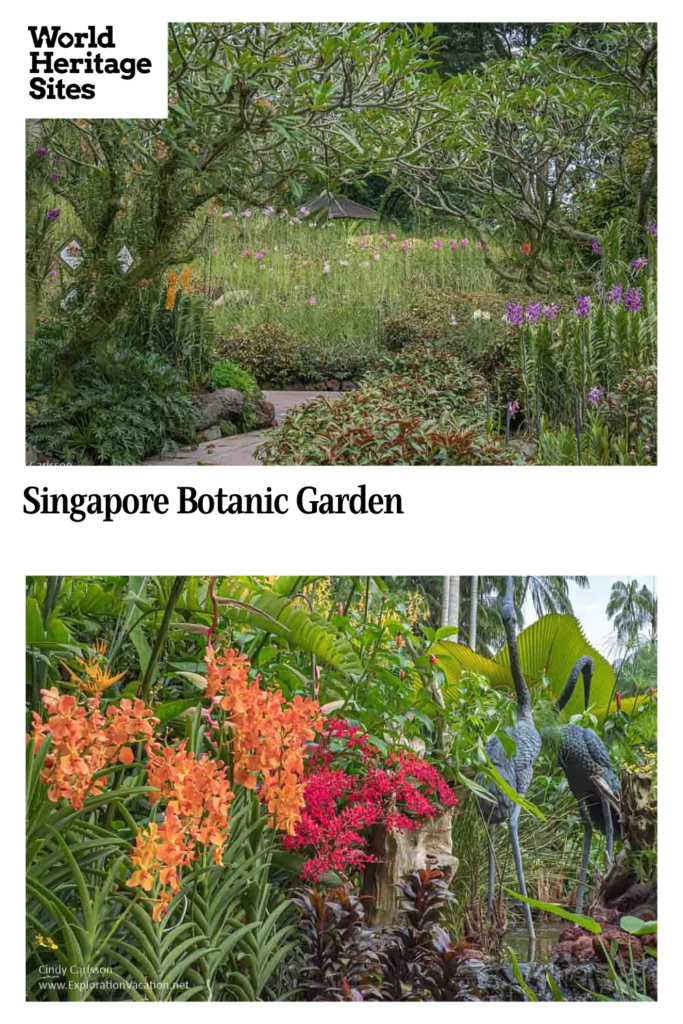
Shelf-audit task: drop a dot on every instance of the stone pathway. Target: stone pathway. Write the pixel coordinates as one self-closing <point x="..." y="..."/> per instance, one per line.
<point x="239" y="449"/>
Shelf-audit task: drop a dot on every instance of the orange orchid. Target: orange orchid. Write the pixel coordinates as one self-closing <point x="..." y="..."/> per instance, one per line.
<point x="268" y="736"/>
<point x="161" y="905"/>
<point x="84" y="742"/>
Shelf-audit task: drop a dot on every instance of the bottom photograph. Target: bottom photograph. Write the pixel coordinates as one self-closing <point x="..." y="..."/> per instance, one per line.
<point x="341" y="788"/>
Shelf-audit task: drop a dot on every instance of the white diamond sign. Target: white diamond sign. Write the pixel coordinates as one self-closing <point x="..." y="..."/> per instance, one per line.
<point x="125" y="258"/>
<point x="71" y="253"/>
<point x="68" y="299"/>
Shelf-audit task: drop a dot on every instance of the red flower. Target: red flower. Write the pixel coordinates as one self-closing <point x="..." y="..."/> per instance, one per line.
<point x="432" y="659"/>
<point x="397" y="791"/>
<point x="618" y="697"/>
<point x="526" y="248"/>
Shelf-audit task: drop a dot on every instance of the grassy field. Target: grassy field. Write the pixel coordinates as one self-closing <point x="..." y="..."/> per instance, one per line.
<point x="333" y="286"/>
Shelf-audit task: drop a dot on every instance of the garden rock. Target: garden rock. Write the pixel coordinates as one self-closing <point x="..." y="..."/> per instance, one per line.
<point x="212" y="433"/>
<point x="263" y="413"/>
<point x="333" y="384"/>
<point x="214" y="406"/>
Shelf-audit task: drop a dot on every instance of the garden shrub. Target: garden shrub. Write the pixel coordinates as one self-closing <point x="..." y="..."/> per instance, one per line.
<point x="633" y="410"/>
<point x="120" y="409"/>
<point x="340" y="959"/>
<point x="621" y="429"/>
<point x="226" y="374"/>
<point x="399" y="332"/>
<point x="41" y="354"/>
<point x="268" y="351"/>
<point x="418" y="407"/>
<point x="278" y="357"/>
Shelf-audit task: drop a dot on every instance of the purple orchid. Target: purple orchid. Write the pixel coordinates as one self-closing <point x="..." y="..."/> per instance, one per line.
<point x="514" y="314"/>
<point x="632" y="301"/>
<point x="583" y="306"/>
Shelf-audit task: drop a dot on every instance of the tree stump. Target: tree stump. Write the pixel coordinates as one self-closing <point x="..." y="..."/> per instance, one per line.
<point x="398" y="853"/>
<point x="630" y="885"/>
<point x="638" y="814"/>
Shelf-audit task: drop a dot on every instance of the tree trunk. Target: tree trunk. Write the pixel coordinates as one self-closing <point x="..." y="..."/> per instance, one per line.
<point x="453" y="601"/>
<point x="445" y="580"/>
<point x="474" y="606"/>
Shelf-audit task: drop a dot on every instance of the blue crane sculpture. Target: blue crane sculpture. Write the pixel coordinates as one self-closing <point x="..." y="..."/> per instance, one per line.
<point x="517" y="768"/>
<point x="586" y="763"/>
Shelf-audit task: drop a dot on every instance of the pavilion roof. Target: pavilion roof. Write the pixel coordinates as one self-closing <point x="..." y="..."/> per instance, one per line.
<point x="339" y="207"/>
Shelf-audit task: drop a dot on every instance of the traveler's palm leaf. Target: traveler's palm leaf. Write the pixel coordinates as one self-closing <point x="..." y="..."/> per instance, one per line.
<point x="553" y="643"/>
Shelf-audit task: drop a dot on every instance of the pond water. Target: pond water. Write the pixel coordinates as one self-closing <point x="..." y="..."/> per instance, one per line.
<point x="546" y="937"/>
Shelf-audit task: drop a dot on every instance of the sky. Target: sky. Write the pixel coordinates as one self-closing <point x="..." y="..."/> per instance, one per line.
<point x="590" y="608"/>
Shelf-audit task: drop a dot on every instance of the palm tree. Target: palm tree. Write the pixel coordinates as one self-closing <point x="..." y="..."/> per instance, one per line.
<point x="549" y="595"/>
<point x="632" y="608"/>
<point x="450" y="601"/>
<point x="474" y="602"/>
<point x="648" y="600"/>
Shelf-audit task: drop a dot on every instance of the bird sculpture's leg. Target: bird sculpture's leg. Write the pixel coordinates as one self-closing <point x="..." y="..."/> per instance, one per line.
<point x="492" y="877"/>
<point x="517" y="854"/>
<point x="609" y="831"/>
<point x="587" y="836"/>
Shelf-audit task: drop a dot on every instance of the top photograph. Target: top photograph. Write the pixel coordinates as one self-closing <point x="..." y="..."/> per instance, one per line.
<point x="354" y="245"/>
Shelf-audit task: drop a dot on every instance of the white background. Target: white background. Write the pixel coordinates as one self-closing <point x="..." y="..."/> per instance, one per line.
<point x="598" y="521"/>
<point x="144" y="95"/>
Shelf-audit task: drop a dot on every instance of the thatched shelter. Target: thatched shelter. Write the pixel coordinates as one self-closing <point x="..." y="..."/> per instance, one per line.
<point x="338" y="208"/>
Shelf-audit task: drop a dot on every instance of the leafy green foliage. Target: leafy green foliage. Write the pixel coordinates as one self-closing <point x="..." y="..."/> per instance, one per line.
<point x="118" y="410"/>
<point x="551" y="908"/>
<point x="281" y="616"/>
<point x="281" y="355"/>
<point x="225" y="374"/>
<point x="182" y="336"/>
<point x="421" y="407"/>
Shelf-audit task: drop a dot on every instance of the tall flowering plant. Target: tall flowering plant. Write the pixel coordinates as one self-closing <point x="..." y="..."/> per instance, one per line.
<point x="266" y="736"/>
<point x="261" y="736"/>
<point x="350" y="786"/>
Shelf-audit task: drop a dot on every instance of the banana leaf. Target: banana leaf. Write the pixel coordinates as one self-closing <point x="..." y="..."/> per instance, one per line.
<point x="553" y="643"/>
<point x="284" y="617"/>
